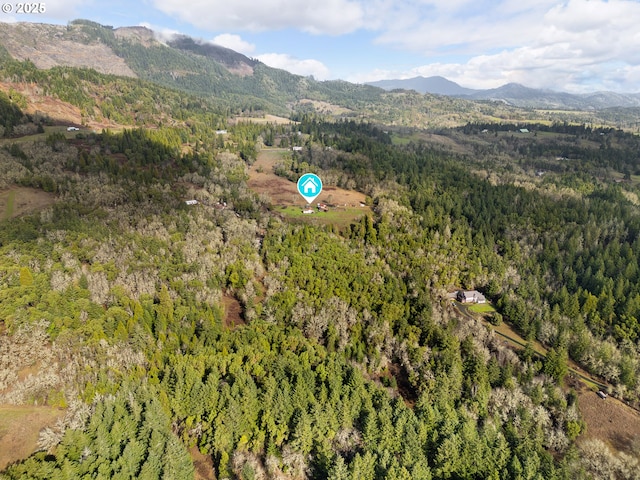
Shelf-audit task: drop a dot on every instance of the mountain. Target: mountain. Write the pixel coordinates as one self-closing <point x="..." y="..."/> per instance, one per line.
<point x="436" y="85"/>
<point x="177" y="62"/>
<point x="235" y="62"/>
<point x="515" y="94"/>
<point x="521" y="96"/>
<point x="233" y="83"/>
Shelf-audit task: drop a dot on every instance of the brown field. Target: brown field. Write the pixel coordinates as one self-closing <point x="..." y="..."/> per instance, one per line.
<point x="264" y="119"/>
<point x="344" y="205"/>
<point x="17" y="201"/>
<point x="232" y="312"/>
<point x="282" y="192"/>
<point x="19" y="430"/>
<point x="609" y="420"/>
<point x="326" y="108"/>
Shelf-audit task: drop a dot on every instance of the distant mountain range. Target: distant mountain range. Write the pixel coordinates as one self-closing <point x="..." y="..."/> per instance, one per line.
<point x="514" y="94"/>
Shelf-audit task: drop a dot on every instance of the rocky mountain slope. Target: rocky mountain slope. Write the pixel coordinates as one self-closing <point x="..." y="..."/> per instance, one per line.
<point x="49" y="46"/>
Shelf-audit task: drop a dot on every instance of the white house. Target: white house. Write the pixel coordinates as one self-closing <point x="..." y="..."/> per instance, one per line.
<point x="470" y="296"/>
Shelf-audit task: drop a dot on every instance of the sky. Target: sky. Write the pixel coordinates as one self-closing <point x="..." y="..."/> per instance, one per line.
<point x="576" y="46"/>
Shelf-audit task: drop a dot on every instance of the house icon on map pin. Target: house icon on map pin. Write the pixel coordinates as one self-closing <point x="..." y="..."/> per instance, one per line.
<point x="309" y="186"/>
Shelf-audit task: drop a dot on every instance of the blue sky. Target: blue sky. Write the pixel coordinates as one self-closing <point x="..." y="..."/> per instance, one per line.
<point x="575" y="45"/>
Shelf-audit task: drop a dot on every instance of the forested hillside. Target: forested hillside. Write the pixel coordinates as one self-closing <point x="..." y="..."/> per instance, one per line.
<point x="236" y="83"/>
<point x="347" y="360"/>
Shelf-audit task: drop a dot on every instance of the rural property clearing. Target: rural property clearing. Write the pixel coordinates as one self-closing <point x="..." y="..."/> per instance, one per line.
<point x="283" y="194"/>
<point x="610" y="420"/>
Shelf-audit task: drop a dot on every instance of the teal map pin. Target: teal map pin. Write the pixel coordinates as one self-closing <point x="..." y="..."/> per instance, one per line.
<point x="309" y="186"/>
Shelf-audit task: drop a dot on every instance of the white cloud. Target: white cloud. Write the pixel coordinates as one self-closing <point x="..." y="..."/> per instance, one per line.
<point x="234" y="42"/>
<point x="161" y="34"/>
<point x="333" y="17"/>
<point x="463" y="26"/>
<point x="294" y="65"/>
<point x="576" y="45"/>
<point x="562" y="44"/>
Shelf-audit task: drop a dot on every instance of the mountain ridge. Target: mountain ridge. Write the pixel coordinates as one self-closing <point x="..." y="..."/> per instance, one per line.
<point x="237" y="84"/>
<point x="514" y="94"/>
<point x="198" y="66"/>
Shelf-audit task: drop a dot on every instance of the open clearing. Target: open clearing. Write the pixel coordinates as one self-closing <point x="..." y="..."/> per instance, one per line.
<point x="609" y="420"/>
<point x="283" y="194"/>
<point x="56" y="109"/>
<point x="17" y="201"/>
<point x="41" y="137"/>
<point x="263" y="120"/>
<point x="20" y="428"/>
<point x="232" y="312"/>
<point x="482" y="308"/>
<point x="339" y="216"/>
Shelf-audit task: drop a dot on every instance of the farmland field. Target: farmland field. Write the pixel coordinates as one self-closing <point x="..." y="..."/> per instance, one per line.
<point x="284" y="196"/>
<point x="17" y="201"/>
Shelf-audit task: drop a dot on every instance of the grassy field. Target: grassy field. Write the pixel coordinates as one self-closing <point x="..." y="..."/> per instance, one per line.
<point x="482" y="308"/>
<point x="283" y="194"/>
<point x="635" y="179"/>
<point x="17" y="201"/>
<point x="10" y="204"/>
<point x="340" y="217"/>
<point x="20" y="428"/>
<point x="42" y="136"/>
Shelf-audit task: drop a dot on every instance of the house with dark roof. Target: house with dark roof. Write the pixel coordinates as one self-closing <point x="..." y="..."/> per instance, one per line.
<point x="470" y="296"/>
